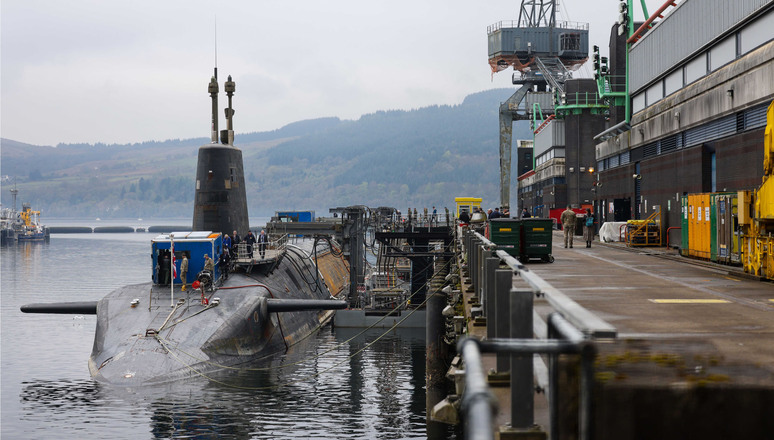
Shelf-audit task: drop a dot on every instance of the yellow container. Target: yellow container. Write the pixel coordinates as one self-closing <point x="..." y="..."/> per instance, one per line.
<point x="467" y="204"/>
<point x="700" y="229"/>
<point x="693" y="225"/>
<point x="705" y="227"/>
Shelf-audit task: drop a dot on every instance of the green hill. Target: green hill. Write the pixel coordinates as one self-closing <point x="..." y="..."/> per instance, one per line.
<point x="404" y="159"/>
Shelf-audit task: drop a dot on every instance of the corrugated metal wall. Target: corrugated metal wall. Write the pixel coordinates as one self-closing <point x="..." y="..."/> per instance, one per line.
<point x="686" y="29"/>
<point x="544" y="99"/>
<point x="550" y="136"/>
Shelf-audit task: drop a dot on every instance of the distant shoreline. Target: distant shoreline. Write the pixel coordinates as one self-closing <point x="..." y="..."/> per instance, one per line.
<point x="89" y="226"/>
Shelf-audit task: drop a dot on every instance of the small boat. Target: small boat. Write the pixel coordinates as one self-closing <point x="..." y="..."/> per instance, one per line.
<point x="21" y="226"/>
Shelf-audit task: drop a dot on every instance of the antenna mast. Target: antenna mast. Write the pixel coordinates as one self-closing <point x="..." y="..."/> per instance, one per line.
<point x="213" y="91"/>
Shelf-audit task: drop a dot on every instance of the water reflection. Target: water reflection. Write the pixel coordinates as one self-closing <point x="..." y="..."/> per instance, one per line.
<point x="317" y="390"/>
<point x="330" y="386"/>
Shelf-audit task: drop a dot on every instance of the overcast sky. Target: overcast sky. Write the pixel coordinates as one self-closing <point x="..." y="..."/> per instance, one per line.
<point x="131" y="71"/>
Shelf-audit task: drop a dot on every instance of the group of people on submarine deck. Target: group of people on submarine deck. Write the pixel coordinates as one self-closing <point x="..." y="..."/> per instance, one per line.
<point x="231" y="243"/>
<point x="227" y="250"/>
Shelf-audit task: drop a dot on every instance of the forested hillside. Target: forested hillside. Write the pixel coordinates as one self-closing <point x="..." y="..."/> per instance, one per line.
<point x="415" y="158"/>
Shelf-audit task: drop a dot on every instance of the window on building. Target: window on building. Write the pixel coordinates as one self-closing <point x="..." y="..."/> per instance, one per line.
<point x="569" y="42"/>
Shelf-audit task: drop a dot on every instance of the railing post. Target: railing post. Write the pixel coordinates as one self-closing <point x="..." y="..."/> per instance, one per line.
<point x="477" y="399"/>
<point x="490" y="294"/>
<point x="480" y="269"/>
<point x="553" y="382"/>
<point x="473" y="267"/>
<point x="586" y="419"/>
<point x="522" y="374"/>
<point x="503" y="282"/>
<point x="468" y="245"/>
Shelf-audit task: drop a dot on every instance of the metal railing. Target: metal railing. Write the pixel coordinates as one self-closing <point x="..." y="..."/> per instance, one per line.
<point x="277" y="245"/>
<point x="511" y="325"/>
<point x="506" y="24"/>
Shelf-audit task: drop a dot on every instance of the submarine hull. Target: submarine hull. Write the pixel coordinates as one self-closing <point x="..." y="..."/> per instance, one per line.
<point x="152" y="342"/>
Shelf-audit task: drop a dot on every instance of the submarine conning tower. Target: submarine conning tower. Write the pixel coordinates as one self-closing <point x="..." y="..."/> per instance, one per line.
<point x="220" y="203"/>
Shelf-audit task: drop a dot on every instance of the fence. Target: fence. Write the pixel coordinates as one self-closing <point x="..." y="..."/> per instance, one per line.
<point x="507" y="304"/>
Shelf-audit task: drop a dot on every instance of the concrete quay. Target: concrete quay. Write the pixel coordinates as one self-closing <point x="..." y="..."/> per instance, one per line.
<point x="693" y="356"/>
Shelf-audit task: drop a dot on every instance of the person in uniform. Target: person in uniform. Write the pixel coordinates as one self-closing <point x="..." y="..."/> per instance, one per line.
<point x="568" y="225"/>
<point x="262" y="240"/>
<point x="184" y="271"/>
<point x="165" y="268"/>
<point x="209" y="264"/>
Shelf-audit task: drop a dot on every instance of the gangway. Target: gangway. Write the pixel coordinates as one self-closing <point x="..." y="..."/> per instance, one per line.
<point x="554" y="72"/>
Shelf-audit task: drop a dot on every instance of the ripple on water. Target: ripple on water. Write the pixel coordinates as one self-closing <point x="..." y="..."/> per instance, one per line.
<point x="332" y="390"/>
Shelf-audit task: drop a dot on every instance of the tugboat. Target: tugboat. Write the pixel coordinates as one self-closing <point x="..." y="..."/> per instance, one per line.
<point x="235" y="305"/>
<point x="21" y="226"/>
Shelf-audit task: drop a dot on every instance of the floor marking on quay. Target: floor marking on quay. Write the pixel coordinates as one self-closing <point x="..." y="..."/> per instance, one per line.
<point x="733" y="279"/>
<point x="730" y="298"/>
<point x="690" y="301"/>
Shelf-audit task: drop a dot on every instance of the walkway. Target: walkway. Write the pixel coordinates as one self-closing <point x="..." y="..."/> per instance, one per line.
<point x="652" y="293"/>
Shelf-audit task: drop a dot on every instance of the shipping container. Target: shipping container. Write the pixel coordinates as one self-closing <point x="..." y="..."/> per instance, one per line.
<point x="194" y="245"/>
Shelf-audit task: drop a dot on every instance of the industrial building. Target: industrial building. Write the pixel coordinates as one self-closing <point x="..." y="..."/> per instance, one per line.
<point x="687" y="106"/>
<point x="699" y="95"/>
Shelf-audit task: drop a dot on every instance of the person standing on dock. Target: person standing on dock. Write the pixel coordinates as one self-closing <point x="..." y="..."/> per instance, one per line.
<point x="262" y="240"/>
<point x="250" y="240"/>
<point x="183" y="272"/>
<point x="568" y="225"/>
<point x="588" y="227"/>
<point x="434" y="218"/>
<point x="525" y="213"/>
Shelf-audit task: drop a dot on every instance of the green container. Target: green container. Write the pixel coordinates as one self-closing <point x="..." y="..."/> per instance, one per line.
<point x="506" y="234"/>
<point x="537" y="239"/>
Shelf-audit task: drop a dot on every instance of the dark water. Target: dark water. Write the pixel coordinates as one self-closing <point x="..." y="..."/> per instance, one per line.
<point x="324" y="388"/>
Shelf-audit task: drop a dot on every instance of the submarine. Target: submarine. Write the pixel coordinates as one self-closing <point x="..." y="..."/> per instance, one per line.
<point x="245" y="303"/>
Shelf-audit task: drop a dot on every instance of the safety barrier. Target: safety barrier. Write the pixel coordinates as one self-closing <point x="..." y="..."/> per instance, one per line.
<point x="511" y="324"/>
<point x="644" y="232"/>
